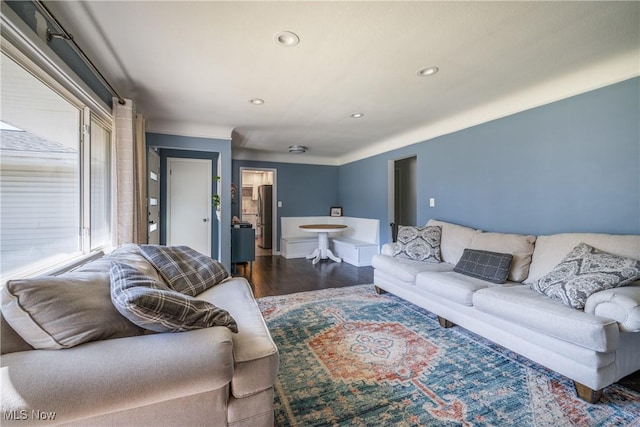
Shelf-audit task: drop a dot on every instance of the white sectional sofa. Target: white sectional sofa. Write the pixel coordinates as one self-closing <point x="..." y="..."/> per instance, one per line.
<point x="594" y="346"/>
<point x="356" y="245"/>
<point x="125" y="376"/>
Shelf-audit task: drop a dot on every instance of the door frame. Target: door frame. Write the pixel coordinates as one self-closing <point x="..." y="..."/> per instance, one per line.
<point x="391" y="192"/>
<point x="274" y="203"/>
<point x="151" y="153"/>
<point x="168" y="194"/>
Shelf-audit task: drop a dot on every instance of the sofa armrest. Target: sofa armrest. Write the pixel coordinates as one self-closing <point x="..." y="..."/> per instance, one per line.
<point x="118" y="374"/>
<point x="620" y="304"/>
<point x="387" y="249"/>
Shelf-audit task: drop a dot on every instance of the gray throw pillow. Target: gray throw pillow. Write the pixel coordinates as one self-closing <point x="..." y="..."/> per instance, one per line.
<point x="54" y="312"/>
<point x="154" y="306"/>
<point x="184" y="269"/>
<point x="490" y="266"/>
<point x="585" y="271"/>
<point x="418" y="243"/>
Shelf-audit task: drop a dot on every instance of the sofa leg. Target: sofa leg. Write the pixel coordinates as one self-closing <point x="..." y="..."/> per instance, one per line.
<point x="445" y="323"/>
<point x="587" y="394"/>
<point x="380" y="291"/>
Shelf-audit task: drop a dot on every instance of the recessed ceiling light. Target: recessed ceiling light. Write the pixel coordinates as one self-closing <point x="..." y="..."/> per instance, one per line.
<point x="286" y="38"/>
<point x="429" y="71"/>
<point x="297" y="149"/>
<point x="357" y="115"/>
<point x="256" y="101"/>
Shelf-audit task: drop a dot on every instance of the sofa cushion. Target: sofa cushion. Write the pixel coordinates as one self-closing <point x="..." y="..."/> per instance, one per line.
<point x="521" y="305"/>
<point x="54" y="312"/>
<point x="154" y="306"/>
<point x="254" y="352"/>
<point x="406" y="269"/>
<point x="519" y="245"/>
<point x="418" y="243"/>
<point x="550" y="250"/>
<point x="585" y="271"/>
<point x="455" y="238"/>
<point x="485" y="265"/>
<point x="184" y="269"/>
<point x="453" y="286"/>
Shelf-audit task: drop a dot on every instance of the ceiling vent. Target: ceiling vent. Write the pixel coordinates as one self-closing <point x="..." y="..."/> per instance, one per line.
<point x="297" y="149"/>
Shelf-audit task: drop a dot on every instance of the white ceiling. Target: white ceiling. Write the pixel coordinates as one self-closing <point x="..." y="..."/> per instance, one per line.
<point x="192" y="66"/>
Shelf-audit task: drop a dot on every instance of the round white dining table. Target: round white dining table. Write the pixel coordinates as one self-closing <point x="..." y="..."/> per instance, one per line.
<point x="323" y="230"/>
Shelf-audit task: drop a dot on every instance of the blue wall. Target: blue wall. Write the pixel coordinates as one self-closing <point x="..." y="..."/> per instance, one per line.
<point x="304" y="190"/>
<point x="570" y="166"/>
<point x="210" y="148"/>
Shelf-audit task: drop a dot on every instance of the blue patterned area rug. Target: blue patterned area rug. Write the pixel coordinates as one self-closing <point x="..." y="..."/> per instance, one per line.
<point x="351" y="357"/>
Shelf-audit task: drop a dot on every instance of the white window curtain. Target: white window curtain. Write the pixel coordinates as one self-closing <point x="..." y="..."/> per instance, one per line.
<point x="131" y="185"/>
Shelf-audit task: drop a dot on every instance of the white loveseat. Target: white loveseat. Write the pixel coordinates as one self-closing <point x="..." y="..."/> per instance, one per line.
<point x="207" y="376"/>
<point x="594" y="347"/>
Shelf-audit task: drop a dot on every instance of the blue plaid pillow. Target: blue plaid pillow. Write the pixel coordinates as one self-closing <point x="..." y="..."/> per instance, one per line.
<point x="154" y="306"/>
<point x="485" y="265"/>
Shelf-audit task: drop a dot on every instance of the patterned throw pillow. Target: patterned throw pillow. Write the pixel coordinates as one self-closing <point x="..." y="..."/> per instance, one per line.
<point x="490" y="266"/>
<point x="154" y="306"/>
<point x="418" y="243"/>
<point x="585" y="271"/>
<point x="184" y="269"/>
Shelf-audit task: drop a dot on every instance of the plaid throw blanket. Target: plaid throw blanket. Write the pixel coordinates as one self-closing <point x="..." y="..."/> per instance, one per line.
<point x="184" y="269"/>
<point x="153" y="305"/>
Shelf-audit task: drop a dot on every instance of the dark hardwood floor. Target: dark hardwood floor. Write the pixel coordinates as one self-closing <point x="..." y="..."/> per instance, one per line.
<point x="275" y="275"/>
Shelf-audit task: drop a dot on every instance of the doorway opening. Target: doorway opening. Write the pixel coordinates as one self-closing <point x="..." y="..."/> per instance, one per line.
<point x="258" y="207"/>
<point x="402" y="193"/>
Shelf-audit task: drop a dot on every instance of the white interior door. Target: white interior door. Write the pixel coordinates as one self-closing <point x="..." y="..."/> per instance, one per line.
<point x="189" y="203"/>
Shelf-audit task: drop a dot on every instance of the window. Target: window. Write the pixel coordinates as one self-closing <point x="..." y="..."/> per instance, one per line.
<point x="100" y="177"/>
<point x="54" y="178"/>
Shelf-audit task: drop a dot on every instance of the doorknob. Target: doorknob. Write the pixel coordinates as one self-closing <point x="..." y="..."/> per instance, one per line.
<point x="205" y="219"/>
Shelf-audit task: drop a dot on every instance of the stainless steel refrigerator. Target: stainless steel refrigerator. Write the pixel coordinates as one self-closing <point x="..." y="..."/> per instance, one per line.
<point x="265" y="216"/>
